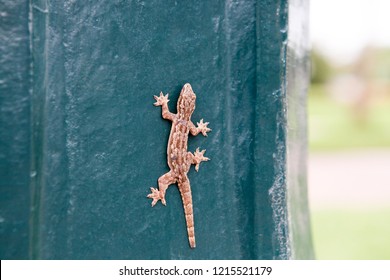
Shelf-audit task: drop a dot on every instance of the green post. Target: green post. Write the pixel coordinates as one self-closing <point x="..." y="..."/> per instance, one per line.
<point x="15" y="129"/>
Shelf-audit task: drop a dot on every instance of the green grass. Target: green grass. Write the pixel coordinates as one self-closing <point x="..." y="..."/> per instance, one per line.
<point x="348" y="234"/>
<point x="334" y="126"/>
<point x="342" y="233"/>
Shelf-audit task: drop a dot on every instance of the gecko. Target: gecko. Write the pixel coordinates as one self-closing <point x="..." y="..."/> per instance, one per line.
<point x="179" y="159"/>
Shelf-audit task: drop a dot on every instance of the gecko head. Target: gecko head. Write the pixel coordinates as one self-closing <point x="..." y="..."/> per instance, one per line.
<point x="186" y="103"/>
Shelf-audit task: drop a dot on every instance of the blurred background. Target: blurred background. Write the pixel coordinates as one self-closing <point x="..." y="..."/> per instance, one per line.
<point x="349" y="129"/>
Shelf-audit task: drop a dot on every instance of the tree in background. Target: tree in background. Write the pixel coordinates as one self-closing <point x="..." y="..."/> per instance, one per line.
<point x="320" y="68"/>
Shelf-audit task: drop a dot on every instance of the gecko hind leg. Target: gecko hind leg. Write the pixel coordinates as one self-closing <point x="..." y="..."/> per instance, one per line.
<point x="163" y="183"/>
<point x="198" y="157"/>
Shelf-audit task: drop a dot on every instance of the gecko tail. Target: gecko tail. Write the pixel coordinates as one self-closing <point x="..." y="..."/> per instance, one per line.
<point x="186" y="196"/>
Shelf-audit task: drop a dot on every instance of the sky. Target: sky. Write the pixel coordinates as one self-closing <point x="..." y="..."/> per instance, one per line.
<point x="340" y="29"/>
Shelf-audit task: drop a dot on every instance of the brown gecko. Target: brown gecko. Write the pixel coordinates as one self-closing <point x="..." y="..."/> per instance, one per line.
<point x="179" y="159"/>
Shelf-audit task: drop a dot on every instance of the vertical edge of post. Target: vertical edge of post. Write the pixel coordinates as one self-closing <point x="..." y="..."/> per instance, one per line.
<point x="271" y="216"/>
<point x="298" y="77"/>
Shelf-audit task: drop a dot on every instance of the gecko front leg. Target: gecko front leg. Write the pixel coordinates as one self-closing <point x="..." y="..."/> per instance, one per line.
<point x="162" y="101"/>
<point x="202" y="128"/>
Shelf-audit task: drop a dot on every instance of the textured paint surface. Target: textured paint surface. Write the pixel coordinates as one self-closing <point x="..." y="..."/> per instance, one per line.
<point x="98" y="143"/>
<point x="14" y="129"/>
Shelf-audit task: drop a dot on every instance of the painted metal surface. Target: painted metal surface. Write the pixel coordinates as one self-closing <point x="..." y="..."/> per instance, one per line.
<point x="15" y="124"/>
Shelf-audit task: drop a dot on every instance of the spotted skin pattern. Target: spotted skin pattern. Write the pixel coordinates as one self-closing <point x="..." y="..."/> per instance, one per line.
<point x="179" y="159"/>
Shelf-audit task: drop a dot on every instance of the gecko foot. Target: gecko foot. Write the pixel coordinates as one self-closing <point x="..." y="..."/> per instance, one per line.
<point x="198" y="158"/>
<point x="160" y="100"/>
<point x="156" y="196"/>
<point x="202" y="127"/>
